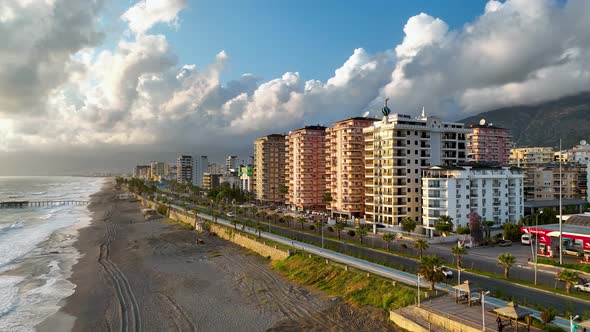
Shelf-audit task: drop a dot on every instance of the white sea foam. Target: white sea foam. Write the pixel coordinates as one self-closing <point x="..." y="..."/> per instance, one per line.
<point x="28" y="237"/>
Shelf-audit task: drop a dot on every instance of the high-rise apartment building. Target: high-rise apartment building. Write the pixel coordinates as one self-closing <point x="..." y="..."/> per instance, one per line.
<point x="488" y="143"/>
<point x="306" y="168"/>
<point x="143" y="172"/>
<point x="184" y="169"/>
<point x="159" y="170"/>
<point x="269" y="168"/>
<point x="231" y="164"/>
<point x="494" y="193"/>
<point x="202" y="167"/>
<point x="345" y="167"/>
<point x="396" y="149"/>
<point x="530" y="157"/>
<point x="542" y="182"/>
<point x="211" y="181"/>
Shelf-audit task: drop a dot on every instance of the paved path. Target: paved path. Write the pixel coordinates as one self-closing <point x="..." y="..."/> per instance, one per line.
<point x="383" y="271"/>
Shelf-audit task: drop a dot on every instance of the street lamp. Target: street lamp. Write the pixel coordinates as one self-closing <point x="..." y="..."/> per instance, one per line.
<point x="572" y="319"/>
<point x="418" y="289"/>
<point x="459" y="275"/>
<point x="536" y="242"/>
<point x="483" y="310"/>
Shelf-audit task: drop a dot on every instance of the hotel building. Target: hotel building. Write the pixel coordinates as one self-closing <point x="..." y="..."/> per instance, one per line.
<point x="494" y="193"/>
<point x="345" y="167"/>
<point x="269" y="168"/>
<point x="396" y="149"/>
<point x="488" y="143"/>
<point x="184" y="169"/>
<point x="306" y="168"/>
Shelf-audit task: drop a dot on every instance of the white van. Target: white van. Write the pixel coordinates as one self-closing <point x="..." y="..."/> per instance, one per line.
<point x="526" y="238"/>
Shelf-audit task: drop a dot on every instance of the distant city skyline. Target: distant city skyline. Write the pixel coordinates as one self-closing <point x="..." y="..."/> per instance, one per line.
<point x="98" y="85"/>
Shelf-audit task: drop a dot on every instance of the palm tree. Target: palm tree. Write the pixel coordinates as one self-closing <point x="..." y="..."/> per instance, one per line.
<point x="506" y="260"/>
<point x="569" y="277"/>
<point x="420" y="245"/>
<point x="430" y="270"/>
<point x="444" y="225"/>
<point x="408" y="225"/>
<point x="361" y="232"/>
<point x="338" y="227"/>
<point x="388" y="237"/>
<point x="458" y="252"/>
<point x="288" y="219"/>
<point x="319" y="224"/>
<point x="301" y="221"/>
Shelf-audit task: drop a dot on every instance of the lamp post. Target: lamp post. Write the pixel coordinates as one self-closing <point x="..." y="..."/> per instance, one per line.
<point x="483" y="310"/>
<point x="572" y="319"/>
<point x="560" y="210"/>
<point x="536" y="242"/>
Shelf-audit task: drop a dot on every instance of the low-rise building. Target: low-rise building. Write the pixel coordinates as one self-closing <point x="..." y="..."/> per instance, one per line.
<point x="494" y="193"/>
<point x="530" y="157"/>
<point x="246" y="175"/>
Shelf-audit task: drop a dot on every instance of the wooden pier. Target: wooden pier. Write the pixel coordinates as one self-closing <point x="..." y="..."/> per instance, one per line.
<point x="26" y="204"/>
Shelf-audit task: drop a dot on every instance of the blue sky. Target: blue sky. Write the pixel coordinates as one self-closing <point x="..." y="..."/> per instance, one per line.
<point x="268" y="38"/>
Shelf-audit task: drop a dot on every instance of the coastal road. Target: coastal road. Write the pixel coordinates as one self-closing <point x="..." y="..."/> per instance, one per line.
<point x="520" y="293"/>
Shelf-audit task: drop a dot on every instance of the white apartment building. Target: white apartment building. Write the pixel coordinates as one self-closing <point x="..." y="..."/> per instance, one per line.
<point x="396" y="150"/>
<point x="495" y="193"/>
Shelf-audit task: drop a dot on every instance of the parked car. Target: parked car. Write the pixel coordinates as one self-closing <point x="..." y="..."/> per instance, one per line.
<point x="573" y="252"/>
<point x="446" y="272"/>
<point x="231" y="214"/>
<point x="526" y="239"/>
<point x="504" y="243"/>
<point x="583" y="287"/>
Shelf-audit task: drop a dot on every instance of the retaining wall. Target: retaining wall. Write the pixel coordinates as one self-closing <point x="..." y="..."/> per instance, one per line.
<point x="405" y="323"/>
<point x="447" y="323"/>
<point x="262" y="249"/>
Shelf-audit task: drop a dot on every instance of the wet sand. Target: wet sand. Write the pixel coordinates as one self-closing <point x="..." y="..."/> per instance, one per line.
<point x="138" y="275"/>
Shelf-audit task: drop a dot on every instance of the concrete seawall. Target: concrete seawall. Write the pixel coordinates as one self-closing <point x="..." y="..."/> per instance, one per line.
<point x="246" y="242"/>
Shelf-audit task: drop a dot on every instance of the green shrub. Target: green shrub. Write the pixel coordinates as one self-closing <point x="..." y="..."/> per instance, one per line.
<point x="351" y="233"/>
<point x="330" y="229"/>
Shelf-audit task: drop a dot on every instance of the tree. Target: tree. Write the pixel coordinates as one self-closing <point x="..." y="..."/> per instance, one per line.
<point x="259" y="228"/>
<point x="547" y="315"/>
<point x="506" y="260"/>
<point x="301" y="221"/>
<point x="444" y="225"/>
<point x="511" y="231"/>
<point x="430" y="270"/>
<point x="361" y="232"/>
<point x="288" y="219"/>
<point x="338" y="227"/>
<point x="408" y="225"/>
<point x="319" y="224"/>
<point x="487" y="227"/>
<point x="459" y="252"/>
<point x="327" y="199"/>
<point x="420" y="245"/>
<point x="475" y="227"/>
<point x="569" y="277"/>
<point x="388" y="237"/>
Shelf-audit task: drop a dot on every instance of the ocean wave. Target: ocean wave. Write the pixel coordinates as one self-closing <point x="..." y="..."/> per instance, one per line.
<point x="16" y="196"/>
<point x="15" y="225"/>
<point x="39" y="193"/>
<point x="8" y="293"/>
<point x="46" y="216"/>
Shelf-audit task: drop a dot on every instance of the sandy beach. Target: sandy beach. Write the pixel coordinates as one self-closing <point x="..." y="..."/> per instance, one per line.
<point x="138" y="275"/>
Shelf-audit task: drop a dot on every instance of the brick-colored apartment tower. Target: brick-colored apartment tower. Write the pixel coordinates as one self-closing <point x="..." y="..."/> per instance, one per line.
<point x="488" y="143"/>
<point x="306" y="168"/>
<point x="345" y="167"/>
<point x="269" y="168"/>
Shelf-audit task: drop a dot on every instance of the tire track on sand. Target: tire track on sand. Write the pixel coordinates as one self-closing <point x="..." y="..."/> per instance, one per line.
<point x="129" y="309"/>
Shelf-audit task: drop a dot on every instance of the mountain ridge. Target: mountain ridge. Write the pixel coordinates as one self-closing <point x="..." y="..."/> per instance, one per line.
<point x="543" y="124"/>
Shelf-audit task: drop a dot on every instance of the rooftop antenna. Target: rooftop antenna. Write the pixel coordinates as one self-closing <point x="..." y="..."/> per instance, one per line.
<point x="366" y="114"/>
<point x="423" y="112"/>
<point x="482" y="122"/>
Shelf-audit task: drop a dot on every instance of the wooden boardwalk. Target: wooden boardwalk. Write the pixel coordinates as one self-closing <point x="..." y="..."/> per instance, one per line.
<point x="26" y="204"/>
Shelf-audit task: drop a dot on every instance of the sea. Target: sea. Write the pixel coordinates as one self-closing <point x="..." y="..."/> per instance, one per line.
<point x="36" y="246"/>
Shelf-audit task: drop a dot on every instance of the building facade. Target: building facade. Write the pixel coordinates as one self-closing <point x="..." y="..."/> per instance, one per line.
<point x="542" y="182"/>
<point x="306" y="168"/>
<point x="211" y="181"/>
<point x="345" y="167"/>
<point x="184" y="169"/>
<point x="580" y="153"/>
<point x="143" y="172"/>
<point x="159" y="170"/>
<point x="488" y="143"/>
<point x="231" y="164"/>
<point x="246" y="175"/>
<point x="202" y="167"/>
<point x="269" y="168"/>
<point x="396" y="149"/>
<point x="530" y="157"/>
<point x="494" y="193"/>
